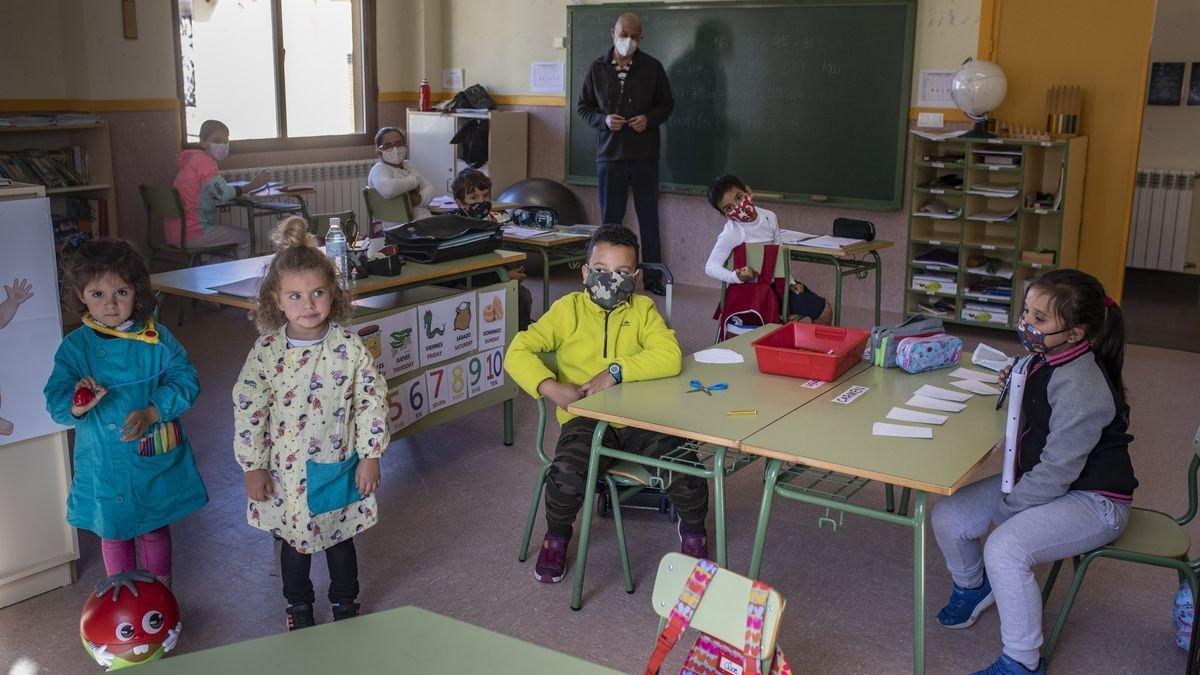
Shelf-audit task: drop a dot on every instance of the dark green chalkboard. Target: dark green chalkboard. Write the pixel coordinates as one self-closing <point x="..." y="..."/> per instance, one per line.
<point x="797" y="98"/>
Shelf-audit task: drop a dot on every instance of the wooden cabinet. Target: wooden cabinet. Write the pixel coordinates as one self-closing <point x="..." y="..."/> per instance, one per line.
<point x="429" y="147"/>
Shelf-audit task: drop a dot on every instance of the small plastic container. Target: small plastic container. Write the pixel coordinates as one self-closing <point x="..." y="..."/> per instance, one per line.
<point x="810" y="351"/>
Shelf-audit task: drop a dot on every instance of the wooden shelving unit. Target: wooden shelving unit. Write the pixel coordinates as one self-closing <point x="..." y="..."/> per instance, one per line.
<point x="984" y="284"/>
<point x="94" y="139"/>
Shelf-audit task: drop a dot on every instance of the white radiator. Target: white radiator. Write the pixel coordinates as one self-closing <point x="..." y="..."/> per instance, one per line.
<point x="338" y="188"/>
<point x="1162" y="215"/>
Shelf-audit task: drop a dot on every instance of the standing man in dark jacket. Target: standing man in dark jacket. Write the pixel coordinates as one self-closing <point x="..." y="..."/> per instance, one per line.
<point x="626" y="97"/>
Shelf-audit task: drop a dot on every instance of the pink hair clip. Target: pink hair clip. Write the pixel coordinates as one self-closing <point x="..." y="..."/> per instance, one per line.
<point x="1109" y="302"/>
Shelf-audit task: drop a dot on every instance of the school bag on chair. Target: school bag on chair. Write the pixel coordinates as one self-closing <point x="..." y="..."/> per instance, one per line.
<point x="759" y="299"/>
<point x="710" y="655"/>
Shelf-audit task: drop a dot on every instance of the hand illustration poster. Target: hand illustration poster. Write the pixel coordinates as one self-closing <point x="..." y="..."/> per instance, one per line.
<point x="30" y="323"/>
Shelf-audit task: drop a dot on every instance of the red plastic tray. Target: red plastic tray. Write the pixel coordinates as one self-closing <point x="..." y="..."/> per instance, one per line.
<point x="810" y="351"/>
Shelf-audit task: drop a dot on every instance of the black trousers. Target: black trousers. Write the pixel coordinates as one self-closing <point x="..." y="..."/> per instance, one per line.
<point x="567" y="477"/>
<point x="294" y="566"/>
<point x="616" y="178"/>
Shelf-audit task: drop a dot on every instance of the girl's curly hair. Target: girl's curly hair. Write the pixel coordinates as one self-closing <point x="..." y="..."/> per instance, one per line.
<point x="296" y="252"/>
<point x="96" y="258"/>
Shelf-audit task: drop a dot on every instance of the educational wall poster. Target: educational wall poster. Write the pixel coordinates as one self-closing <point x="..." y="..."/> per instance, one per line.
<point x="489" y="373"/>
<point x="446" y="328"/>
<point x="1166" y="82"/>
<point x="447" y="385"/>
<point x="407" y="403"/>
<point x="492" y="311"/>
<point x="1194" y="85"/>
<point x="30" y="322"/>
<point x="392" y="340"/>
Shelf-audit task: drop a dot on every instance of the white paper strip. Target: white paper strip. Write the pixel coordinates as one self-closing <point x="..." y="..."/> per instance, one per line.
<point x="900" y="430"/>
<point x="944" y="394"/>
<point x="968" y="374"/>
<point x="975" y="387"/>
<point x="905" y="415"/>
<point x="935" y="404"/>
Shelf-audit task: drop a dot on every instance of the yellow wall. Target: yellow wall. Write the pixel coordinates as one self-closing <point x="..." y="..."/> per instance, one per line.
<point x="1104" y="48"/>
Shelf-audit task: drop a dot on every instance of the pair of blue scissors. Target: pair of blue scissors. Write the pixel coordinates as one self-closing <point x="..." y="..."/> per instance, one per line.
<point x="699" y="386"/>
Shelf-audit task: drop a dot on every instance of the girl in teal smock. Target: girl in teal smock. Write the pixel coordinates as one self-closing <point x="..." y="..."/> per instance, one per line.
<point x="134" y="468"/>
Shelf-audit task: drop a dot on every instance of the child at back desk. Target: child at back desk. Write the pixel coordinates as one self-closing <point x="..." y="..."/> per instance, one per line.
<point x="473" y="195"/>
<point x="750" y="224"/>
<point x="603" y="336"/>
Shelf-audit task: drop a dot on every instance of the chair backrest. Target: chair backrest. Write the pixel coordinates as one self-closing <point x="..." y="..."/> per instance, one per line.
<point x="162" y="201"/>
<point x="754" y="258"/>
<point x="398" y="210"/>
<point x="319" y="224"/>
<point x="722" y="610"/>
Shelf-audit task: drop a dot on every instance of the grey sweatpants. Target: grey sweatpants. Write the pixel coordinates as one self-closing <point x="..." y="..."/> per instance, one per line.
<point x="1075" y="523"/>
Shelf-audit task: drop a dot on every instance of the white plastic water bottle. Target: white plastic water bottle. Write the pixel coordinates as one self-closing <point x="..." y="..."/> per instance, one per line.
<point x="335" y="248"/>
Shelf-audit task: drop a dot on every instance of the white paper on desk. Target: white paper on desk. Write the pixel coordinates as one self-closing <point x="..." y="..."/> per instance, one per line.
<point x="905" y="415"/>
<point x="900" y="430"/>
<point x="968" y="374"/>
<point x="829" y="242"/>
<point x="918" y="401"/>
<point x="718" y="355"/>
<point x="794" y="237"/>
<point x="526" y="232"/>
<point x="992" y="359"/>
<point x="243" y="288"/>
<point x="944" y="394"/>
<point x="976" y="387"/>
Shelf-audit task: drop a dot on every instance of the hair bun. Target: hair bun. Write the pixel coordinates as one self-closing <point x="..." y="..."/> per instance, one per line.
<point x="292" y="231"/>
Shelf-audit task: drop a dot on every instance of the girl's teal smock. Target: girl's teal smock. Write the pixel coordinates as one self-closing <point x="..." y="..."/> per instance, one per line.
<point x="116" y="492"/>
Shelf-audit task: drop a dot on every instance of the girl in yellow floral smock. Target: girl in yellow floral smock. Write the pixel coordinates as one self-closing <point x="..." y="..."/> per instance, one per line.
<point x="309" y="413"/>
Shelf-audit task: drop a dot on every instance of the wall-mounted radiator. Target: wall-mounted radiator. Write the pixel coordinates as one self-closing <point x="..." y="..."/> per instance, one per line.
<point x="338" y="188"/>
<point x="1162" y="216"/>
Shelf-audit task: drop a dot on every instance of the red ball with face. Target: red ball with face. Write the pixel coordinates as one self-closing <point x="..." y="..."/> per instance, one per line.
<point x="132" y="628"/>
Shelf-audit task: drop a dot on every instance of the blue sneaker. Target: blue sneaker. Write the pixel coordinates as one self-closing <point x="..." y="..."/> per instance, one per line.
<point x="1006" y="665"/>
<point x="965" y="605"/>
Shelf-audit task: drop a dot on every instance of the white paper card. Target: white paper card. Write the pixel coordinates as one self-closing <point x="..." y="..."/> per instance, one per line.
<point x="814" y="384"/>
<point x="905" y="415"/>
<point x="851" y="394"/>
<point x="546" y="77"/>
<point x="990" y="358"/>
<point x="492" y="311"/>
<point x="968" y="374"/>
<point x="718" y="355"/>
<point x="900" y="430"/>
<point x="944" y="394"/>
<point x="976" y="387"/>
<point x="935" y="404"/>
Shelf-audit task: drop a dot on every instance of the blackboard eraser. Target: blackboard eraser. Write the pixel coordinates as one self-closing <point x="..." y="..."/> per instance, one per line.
<point x="819" y="198"/>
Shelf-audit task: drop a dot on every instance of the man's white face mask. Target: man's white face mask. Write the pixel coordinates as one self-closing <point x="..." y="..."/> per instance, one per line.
<point x="626" y="46"/>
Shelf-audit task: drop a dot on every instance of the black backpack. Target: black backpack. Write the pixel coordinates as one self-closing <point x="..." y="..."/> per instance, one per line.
<point x="472" y="142"/>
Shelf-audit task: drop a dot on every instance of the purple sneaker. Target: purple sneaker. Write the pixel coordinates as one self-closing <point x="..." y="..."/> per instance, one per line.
<point x="552" y="559"/>
<point x="695" y="545"/>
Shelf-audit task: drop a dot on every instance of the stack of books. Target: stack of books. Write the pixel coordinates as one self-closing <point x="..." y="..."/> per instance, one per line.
<point x="65" y="167"/>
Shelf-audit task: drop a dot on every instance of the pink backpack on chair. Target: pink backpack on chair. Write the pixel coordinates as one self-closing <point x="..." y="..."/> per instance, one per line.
<point x="762" y="297"/>
<point x="709" y="655"/>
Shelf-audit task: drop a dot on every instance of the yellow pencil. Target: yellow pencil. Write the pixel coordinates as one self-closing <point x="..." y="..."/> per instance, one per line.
<point x="742" y="412"/>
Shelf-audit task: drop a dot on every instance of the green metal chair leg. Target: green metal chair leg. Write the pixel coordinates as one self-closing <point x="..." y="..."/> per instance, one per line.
<point x="589" y="502"/>
<point x="770" y="478"/>
<point x="545" y="281"/>
<point x="533" y="511"/>
<point x="918" y="518"/>
<point x="837" y="292"/>
<point x="719" y="502"/>
<point x="1050" y="579"/>
<point x="889" y="498"/>
<point x="614" y="494"/>
<point x="878" y="286"/>
<point x="904" y="495"/>
<point x="508" y="421"/>
<point x="1072" y="591"/>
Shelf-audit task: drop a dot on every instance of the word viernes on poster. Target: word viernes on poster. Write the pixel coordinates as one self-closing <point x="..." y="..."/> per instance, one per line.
<point x="392" y="340"/>
<point x="485" y="371"/>
<point x="446" y="328"/>
<point x="492" y="318"/>
<point x="407" y="403"/>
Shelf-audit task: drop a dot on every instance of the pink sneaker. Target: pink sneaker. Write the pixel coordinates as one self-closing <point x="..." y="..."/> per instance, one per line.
<point x="695" y="545"/>
<point x="552" y="559"/>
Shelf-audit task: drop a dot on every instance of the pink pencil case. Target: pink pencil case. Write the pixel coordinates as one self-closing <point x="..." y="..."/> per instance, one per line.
<point x="930" y="352"/>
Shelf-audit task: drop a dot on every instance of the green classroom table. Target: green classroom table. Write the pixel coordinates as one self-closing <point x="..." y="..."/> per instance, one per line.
<point x="845" y="262"/>
<point x="662" y="405"/>
<point x="402" y="640"/>
<point x="797" y="458"/>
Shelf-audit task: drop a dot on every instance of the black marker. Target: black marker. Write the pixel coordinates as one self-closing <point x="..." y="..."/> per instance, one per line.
<point x="1004" y="389"/>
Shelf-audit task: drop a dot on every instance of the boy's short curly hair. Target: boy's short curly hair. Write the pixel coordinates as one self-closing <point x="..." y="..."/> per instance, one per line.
<point x="97" y="258"/>
<point x="614" y="235"/>
<point x="468" y="181"/>
<point x="297" y="252"/>
<point x="720" y="186"/>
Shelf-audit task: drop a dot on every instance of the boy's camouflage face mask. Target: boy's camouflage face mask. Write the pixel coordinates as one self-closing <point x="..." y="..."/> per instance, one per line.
<point x="609" y="289"/>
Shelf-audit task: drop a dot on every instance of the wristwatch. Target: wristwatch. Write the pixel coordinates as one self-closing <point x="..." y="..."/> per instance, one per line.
<point x="614" y="369"/>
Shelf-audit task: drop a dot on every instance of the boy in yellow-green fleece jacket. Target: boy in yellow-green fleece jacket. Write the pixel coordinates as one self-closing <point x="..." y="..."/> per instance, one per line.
<point x="603" y="336"/>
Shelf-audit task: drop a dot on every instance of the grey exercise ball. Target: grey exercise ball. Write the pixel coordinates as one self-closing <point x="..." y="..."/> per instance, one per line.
<point x="545" y="192"/>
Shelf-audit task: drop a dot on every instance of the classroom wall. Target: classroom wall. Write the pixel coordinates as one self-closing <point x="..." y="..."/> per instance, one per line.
<point x="31" y="50"/>
<point x="1171" y="134"/>
<point x="1103" y="47"/>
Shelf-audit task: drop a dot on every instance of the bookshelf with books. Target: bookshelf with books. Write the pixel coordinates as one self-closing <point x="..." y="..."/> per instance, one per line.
<point x="73" y="160"/>
<point x="986" y="216"/>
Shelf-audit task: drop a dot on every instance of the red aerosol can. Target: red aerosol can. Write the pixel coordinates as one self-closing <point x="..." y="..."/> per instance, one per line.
<point x="423" y="95"/>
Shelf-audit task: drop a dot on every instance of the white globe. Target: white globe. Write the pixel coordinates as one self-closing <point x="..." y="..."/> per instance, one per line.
<point x="978" y="88"/>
